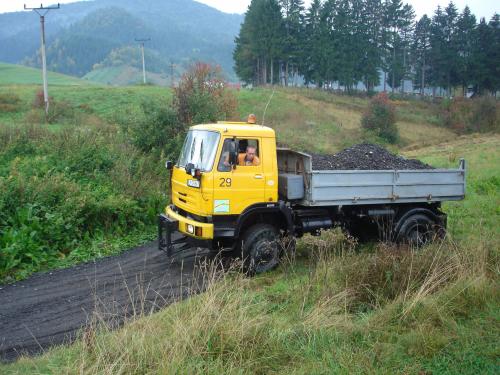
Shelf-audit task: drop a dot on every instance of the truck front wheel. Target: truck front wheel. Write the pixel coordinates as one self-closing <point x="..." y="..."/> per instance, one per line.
<point x="260" y="249"/>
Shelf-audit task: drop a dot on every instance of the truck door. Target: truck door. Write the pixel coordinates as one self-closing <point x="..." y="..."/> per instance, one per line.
<point x="237" y="188"/>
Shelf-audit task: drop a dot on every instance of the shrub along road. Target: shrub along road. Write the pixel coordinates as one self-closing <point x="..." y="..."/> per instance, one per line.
<point x="50" y="308"/>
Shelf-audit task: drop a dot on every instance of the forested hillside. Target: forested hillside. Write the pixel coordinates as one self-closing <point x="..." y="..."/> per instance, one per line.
<point x="83" y="34"/>
<point x="374" y="42"/>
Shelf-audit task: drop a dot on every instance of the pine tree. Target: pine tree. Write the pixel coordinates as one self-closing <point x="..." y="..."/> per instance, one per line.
<point x="494" y="53"/>
<point x="293" y="13"/>
<point x="348" y="41"/>
<point x="420" y="51"/>
<point x="388" y="34"/>
<point x="464" y="40"/>
<point x="444" y="51"/>
<point x="486" y="56"/>
<point x="260" y="42"/>
<point x="369" y="28"/>
<point x="313" y="41"/>
<point x="398" y="24"/>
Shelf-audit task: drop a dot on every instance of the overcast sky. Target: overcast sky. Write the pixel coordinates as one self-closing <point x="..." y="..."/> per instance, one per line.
<point x="481" y="8"/>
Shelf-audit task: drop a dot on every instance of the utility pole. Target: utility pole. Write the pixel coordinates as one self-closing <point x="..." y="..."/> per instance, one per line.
<point x="142" y="41"/>
<point x="42" y="12"/>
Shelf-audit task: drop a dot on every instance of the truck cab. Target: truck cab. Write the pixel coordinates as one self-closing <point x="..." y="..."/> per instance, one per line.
<point x="214" y="196"/>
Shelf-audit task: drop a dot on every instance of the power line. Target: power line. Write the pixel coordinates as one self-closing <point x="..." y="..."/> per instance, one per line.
<point x="42" y="12"/>
<point x="142" y="41"/>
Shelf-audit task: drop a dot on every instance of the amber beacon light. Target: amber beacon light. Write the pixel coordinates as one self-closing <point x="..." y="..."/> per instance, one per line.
<point x="252" y="119"/>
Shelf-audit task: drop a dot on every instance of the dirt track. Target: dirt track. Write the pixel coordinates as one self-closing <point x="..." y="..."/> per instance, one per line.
<point x="49" y="308"/>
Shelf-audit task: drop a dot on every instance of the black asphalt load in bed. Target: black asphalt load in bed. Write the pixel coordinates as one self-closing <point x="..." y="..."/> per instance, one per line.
<point x="365" y="156"/>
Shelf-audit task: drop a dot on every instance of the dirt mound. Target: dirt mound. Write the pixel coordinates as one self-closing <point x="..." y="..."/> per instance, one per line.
<point x="365" y="156"/>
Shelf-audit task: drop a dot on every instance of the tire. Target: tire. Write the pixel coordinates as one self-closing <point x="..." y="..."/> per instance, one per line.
<point x="418" y="230"/>
<point x="260" y="249"/>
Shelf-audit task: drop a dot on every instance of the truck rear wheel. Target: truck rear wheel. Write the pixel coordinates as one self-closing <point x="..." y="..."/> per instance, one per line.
<point x="260" y="249"/>
<point x="418" y="230"/>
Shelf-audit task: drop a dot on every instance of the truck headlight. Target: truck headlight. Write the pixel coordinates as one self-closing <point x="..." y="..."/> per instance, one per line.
<point x="190" y="228"/>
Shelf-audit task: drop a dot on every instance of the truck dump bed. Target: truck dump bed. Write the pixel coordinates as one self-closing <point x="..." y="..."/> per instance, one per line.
<point x="358" y="187"/>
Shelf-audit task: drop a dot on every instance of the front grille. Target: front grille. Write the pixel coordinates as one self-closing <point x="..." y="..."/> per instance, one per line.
<point x="201" y="219"/>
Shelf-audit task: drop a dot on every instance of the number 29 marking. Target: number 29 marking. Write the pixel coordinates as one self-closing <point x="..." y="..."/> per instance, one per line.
<point x="225" y="182"/>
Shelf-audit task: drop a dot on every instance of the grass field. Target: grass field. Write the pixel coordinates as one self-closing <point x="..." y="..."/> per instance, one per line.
<point x="21" y="75"/>
<point x="304" y="119"/>
<point x="124" y="75"/>
<point x="319" y="121"/>
<point x="336" y="307"/>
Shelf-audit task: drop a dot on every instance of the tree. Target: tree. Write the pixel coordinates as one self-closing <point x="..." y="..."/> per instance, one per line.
<point x="399" y="23"/>
<point x="313" y="40"/>
<point x="347" y="41"/>
<point x="494" y="55"/>
<point x="420" y="50"/>
<point x="369" y="27"/>
<point x="444" y="54"/>
<point x="293" y="13"/>
<point x="464" y="40"/>
<point x="260" y="42"/>
<point x="486" y="56"/>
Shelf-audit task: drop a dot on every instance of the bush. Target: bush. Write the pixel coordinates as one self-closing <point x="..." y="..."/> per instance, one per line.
<point x="9" y="102"/>
<point x="62" y="191"/>
<point x="200" y="97"/>
<point x="39" y="101"/>
<point x="59" y="111"/>
<point x="380" y="118"/>
<point x="471" y="115"/>
<point x="156" y="130"/>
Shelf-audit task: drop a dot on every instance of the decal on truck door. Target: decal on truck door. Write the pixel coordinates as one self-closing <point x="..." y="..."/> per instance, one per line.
<point x="221" y="206"/>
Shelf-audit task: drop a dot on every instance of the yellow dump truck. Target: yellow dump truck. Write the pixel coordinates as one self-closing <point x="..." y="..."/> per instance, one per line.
<point x="234" y="189"/>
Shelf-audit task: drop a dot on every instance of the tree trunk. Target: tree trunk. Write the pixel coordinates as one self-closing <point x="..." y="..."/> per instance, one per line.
<point x="449" y="85"/>
<point x="264" y="71"/>
<point x="257" y="73"/>
<point x="286" y="74"/>
<point x="385" y="81"/>
<point x="422" y="83"/>
<point x="393" y="72"/>
<point x="272" y="71"/>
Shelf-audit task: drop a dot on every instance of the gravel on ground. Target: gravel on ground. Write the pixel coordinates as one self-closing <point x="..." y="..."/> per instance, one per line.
<point x="365" y="156"/>
<point x="51" y="308"/>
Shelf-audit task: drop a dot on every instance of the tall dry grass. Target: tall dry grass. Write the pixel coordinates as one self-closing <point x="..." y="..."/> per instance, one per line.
<point x="332" y="289"/>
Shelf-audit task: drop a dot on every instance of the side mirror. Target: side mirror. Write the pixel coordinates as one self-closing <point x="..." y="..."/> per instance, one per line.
<point x="189" y="168"/>
<point x="233" y="158"/>
<point x="169" y="165"/>
<point x="233" y="153"/>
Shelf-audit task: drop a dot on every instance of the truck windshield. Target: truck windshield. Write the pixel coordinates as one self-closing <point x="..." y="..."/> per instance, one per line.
<point x="199" y="149"/>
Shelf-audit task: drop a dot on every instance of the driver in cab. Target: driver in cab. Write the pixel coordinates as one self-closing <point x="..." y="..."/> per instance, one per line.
<point x="248" y="158"/>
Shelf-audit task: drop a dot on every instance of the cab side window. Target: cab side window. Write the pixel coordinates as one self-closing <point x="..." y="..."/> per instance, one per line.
<point x="248" y="154"/>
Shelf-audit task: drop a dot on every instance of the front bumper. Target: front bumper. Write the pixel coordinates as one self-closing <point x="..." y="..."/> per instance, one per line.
<point x="173" y="221"/>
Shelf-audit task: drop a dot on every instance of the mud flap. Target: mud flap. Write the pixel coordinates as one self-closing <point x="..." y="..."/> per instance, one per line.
<point x="166" y="226"/>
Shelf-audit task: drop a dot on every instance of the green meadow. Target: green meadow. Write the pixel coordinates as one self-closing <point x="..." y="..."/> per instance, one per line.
<point x="333" y="307"/>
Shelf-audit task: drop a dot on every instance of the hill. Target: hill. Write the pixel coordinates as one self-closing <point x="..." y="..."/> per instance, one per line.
<point x="17" y="74"/>
<point x="83" y="34"/>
